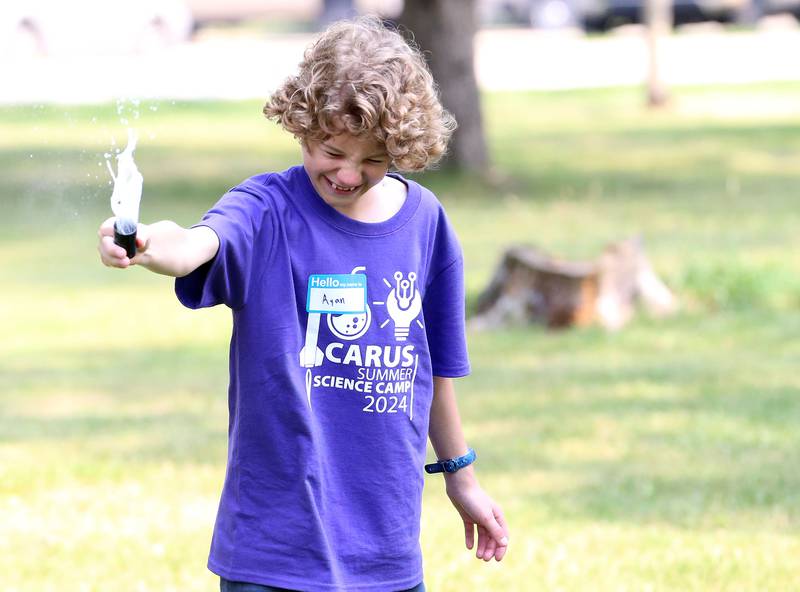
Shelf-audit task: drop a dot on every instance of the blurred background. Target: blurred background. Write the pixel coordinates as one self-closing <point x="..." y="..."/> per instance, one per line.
<point x="660" y="455"/>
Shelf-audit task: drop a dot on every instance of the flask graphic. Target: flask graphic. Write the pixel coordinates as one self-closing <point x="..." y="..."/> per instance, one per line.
<point x="403" y="304"/>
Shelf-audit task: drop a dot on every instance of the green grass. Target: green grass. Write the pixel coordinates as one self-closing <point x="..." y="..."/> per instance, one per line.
<point x="662" y="457"/>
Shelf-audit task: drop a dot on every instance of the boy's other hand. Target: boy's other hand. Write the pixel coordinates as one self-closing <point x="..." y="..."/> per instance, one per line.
<point x="111" y="254"/>
<point x="479" y="511"/>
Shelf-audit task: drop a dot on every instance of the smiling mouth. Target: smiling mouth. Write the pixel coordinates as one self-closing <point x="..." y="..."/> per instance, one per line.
<point x="340" y="188"/>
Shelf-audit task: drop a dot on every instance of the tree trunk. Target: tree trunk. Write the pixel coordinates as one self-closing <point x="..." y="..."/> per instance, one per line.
<point x="334" y="10"/>
<point x="445" y="31"/>
<point x="658" y="18"/>
<point x="531" y="286"/>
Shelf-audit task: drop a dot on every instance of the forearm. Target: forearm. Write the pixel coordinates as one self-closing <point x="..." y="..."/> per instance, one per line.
<point x="176" y="251"/>
<point x="476" y="508"/>
<point x="446" y="434"/>
<point x="444" y="430"/>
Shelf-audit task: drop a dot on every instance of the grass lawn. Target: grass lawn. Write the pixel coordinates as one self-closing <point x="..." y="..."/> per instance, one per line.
<point x="662" y="457"/>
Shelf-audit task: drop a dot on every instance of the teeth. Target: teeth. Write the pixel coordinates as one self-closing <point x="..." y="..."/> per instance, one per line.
<point x="340" y="188"/>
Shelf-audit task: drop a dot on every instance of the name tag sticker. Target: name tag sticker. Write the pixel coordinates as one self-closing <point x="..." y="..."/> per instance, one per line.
<point x="337" y="294"/>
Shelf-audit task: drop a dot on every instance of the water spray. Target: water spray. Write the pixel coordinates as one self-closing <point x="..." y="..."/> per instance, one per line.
<point x="126" y="196"/>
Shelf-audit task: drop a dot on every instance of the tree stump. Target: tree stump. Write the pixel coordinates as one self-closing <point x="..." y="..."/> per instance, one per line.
<point x="532" y="286"/>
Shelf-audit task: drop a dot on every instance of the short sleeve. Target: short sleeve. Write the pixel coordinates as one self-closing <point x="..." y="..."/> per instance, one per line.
<point x="444" y="310"/>
<point x="240" y="220"/>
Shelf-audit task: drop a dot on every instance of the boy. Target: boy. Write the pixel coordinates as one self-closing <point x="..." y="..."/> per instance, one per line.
<point x="346" y="287"/>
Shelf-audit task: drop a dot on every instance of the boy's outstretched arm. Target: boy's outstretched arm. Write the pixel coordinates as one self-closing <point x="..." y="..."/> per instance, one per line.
<point x="476" y="508"/>
<point x="162" y="247"/>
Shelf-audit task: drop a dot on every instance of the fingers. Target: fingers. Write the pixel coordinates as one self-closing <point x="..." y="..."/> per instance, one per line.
<point x="491" y="548"/>
<point x="482" y="542"/>
<point x="493" y="536"/>
<point x="469" y="534"/>
<point x="107" y="228"/>
<point x="112" y="255"/>
<point x="502" y="542"/>
<point x="142" y="236"/>
<point x="479" y="511"/>
<point x="496" y="525"/>
<point x="500" y="552"/>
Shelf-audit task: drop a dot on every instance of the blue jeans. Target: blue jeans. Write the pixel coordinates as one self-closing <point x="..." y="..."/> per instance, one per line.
<point x="228" y="586"/>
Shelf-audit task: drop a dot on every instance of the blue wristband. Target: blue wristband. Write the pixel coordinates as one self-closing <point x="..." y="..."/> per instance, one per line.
<point x="453" y="464"/>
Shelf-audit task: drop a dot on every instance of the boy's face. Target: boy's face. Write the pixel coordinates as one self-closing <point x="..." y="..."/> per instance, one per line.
<point x="343" y="168"/>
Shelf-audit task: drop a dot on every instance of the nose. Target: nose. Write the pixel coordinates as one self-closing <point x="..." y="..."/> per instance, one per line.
<point x="348" y="176"/>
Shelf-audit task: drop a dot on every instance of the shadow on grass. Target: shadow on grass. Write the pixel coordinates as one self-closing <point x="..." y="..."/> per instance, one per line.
<point x="760" y="497"/>
<point x="691" y="436"/>
<point x="173" y="437"/>
<point x="132" y="405"/>
<point x="683" y="428"/>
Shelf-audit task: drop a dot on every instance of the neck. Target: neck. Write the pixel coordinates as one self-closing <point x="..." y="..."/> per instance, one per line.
<point x="380" y="203"/>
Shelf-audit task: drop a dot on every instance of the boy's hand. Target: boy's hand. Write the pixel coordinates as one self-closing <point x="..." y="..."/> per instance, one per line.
<point x="113" y="255"/>
<point x="477" y="509"/>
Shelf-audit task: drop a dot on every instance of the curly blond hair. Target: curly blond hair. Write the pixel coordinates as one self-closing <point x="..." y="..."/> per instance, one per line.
<point x="361" y="78"/>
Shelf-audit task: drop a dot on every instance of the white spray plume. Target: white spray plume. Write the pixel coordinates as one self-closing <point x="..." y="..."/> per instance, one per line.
<point x="127" y="182"/>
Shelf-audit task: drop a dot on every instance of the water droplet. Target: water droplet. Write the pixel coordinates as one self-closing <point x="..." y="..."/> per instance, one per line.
<point x="31" y="155"/>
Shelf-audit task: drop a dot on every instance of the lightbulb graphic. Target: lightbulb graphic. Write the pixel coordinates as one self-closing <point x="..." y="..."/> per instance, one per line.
<point x="403" y="304"/>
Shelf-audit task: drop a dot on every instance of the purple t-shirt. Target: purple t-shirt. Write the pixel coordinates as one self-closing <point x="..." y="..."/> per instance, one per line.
<point x="328" y="408"/>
